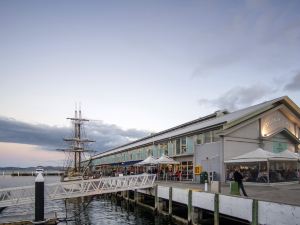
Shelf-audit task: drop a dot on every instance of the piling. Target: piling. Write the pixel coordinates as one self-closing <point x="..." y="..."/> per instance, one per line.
<point x="156" y="198"/>
<point x="216" y="210"/>
<point x="190" y="207"/>
<point x="170" y="201"/>
<point x="39" y="199"/>
<point x="254" y="212"/>
<point x="135" y="196"/>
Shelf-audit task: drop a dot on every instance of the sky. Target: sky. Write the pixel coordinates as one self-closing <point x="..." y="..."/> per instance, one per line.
<point x="136" y="67"/>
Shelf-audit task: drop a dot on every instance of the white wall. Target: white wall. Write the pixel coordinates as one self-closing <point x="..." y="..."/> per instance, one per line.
<point x="278" y="214"/>
<point x="269" y="213"/>
<point x="235" y="147"/>
<point x="250" y="131"/>
<point x="208" y="155"/>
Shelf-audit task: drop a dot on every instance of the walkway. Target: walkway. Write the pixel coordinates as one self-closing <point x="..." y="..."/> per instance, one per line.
<point x="81" y="188"/>
<point x="281" y="193"/>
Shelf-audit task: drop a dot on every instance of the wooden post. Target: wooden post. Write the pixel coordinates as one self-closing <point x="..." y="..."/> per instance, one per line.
<point x="170" y="201"/>
<point x="254" y="212"/>
<point x="135" y="196"/>
<point x="190" y="207"/>
<point x="156" y="198"/>
<point x="216" y="210"/>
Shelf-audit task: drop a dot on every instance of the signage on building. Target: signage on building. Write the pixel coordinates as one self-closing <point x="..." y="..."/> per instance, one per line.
<point x="274" y="122"/>
<point x="197" y="169"/>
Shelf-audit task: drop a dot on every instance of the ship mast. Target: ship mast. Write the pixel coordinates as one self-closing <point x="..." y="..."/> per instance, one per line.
<point x="77" y="142"/>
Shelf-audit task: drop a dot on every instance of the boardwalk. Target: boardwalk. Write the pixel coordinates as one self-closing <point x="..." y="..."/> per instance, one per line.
<point x="281" y="193"/>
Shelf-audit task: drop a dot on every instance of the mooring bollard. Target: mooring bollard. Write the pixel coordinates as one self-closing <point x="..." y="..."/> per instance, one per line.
<point x="39" y="199"/>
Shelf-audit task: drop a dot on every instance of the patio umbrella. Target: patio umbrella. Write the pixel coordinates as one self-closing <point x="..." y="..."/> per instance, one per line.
<point x="150" y="160"/>
<point x="166" y="160"/>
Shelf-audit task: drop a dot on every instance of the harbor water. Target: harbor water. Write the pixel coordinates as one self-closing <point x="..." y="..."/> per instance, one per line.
<point x="98" y="210"/>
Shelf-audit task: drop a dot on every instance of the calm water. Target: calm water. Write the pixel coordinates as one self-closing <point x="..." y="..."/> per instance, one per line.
<point x="97" y="211"/>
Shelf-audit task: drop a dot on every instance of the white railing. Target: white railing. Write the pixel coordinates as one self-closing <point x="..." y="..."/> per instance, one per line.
<point x="81" y="188"/>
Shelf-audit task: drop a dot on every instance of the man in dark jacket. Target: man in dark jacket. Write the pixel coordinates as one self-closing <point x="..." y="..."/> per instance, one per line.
<point x="238" y="177"/>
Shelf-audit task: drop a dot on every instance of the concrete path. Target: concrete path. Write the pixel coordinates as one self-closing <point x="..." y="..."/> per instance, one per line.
<point x="283" y="193"/>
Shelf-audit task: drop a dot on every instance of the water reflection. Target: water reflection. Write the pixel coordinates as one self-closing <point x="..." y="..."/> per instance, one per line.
<point x="96" y="210"/>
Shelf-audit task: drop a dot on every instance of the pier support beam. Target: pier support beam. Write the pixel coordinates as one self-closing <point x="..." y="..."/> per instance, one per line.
<point x="197" y="215"/>
<point x="254" y="212"/>
<point x="170" y="201"/>
<point x="216" y="210"/>
<point x="190" y="207"/>
<point x="156" y="204"/>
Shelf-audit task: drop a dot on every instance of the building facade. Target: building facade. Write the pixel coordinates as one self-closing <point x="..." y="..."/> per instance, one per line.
<point x="209" y="141"/>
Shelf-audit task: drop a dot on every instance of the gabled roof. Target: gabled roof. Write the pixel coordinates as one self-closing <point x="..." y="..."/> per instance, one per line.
<point x="239" y="116"/>
<point x="286" y="133"/>
<point x="225" y="120"/>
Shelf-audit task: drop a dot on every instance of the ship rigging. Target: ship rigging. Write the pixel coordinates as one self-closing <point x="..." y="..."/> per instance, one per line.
<point x="76" y="151"/>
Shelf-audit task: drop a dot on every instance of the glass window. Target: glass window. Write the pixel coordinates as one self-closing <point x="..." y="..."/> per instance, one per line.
<point x="207" y="137"/>
<point x="215" y="136"/>
<point x="177" y="146"/>
<point x="190" y="144"/>
<point x="186" y="170"/>
<point x="170" y="148"/>
<point x="200" y="139"/>
<point x="155" y="152"/>
<point x="183" y="145"/>
<point x="163" y="148"/>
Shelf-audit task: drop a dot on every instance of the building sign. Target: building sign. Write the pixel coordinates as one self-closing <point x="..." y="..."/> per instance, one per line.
<point x="198" y="169"/>
<point x="274" y="122"/>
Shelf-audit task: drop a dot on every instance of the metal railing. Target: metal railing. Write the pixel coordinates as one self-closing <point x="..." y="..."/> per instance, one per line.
<point x="81" y="188"/>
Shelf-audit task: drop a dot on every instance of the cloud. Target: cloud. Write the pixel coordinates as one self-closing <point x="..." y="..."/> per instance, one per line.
<point x="265" y="39"/>
<point x="237" y="97"/>
<point x="50" y="137"/>
<point x="294" y="84"/>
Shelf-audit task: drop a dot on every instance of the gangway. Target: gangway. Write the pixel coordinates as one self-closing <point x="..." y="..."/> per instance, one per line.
<point x="81" y="188"/>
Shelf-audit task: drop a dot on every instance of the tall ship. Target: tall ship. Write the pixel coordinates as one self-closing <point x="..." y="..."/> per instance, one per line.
<point x="77" y="151"/>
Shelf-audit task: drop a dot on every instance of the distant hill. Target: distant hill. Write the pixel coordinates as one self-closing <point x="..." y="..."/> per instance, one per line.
<point x="48" y="168"/>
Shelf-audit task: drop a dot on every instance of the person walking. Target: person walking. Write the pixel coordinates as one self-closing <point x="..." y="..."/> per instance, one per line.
<point x="238" y="177"/>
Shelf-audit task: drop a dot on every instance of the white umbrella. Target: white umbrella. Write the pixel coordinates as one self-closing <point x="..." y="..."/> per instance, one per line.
<point x="166" y="160"/>
<point x="288" y="155"/>
<point x="150" y="160"/>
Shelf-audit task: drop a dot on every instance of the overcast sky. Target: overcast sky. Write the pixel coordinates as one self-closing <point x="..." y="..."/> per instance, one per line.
<point x="138" y="66"/>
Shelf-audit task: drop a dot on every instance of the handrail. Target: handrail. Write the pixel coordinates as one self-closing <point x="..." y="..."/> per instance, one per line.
<point x="81" y="188"/>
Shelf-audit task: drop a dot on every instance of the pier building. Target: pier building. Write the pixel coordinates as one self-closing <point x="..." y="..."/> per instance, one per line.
<point x="212" y="140"/>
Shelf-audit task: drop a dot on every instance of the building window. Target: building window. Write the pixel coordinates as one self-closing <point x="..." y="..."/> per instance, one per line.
<point x="178" y="146"/>
<point x="183" y="145"/>
<point x="215" y="136"/>
<point x="163" y="148"/>
<point x="200" y="139"/>
<point x="207" y="137"/>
